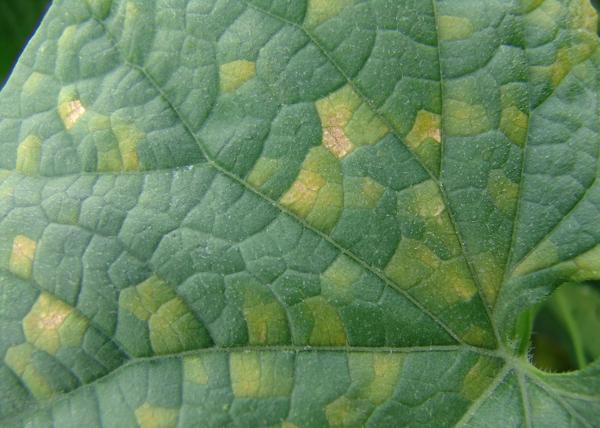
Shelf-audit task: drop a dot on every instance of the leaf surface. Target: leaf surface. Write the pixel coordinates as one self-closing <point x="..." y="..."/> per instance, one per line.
<point x="295" y="214"/>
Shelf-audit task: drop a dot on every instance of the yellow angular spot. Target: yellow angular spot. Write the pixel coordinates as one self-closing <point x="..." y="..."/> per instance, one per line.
<point x="411" y="263"/>
<point x="327" y="326"/>
<point x="67" y="39"/>
<point x="70" y="108"/>
<point x="265" y="317"/>
<point x="513" y="123"/>
<point x="489" y="267"/>
<point x="288" y="424"/>
<point x="171" y="325"/>
<point x="320" y="11"/>
<point x="303" y="194"/>
<point x="174" y="328"/>
<point x="19" y="359"/>
<point x="428" y="201"/>
<point x="588" y="265"/>
<point x="456" y="282"/>
<point x="261" y="375"/>
<point x="347" y="121"/>
<point x="365" y="126"/>
<point x="101" y="8"/>
<point x="464" y="119"/>
<point x="245" y="374"/>
<point x="584" y="16"/>
<point x="34" y="83"/>
<point x="567" y="58"/>
<point x="478" y="378"/>
<point x="146" y="298"/>
<point x="234" y="74"/>
<point x="263" y="171"/>
<point x="194" y="370"/>
<point x="21" y="256"/>
<point x="454" y="28"/>
<point x="128" y="137"/>
<point x="317" y="193"/>
<point x="545" y="255"/>
<point x="337" y="108"/>
<point x="337" y="280"/>
<point x="362" y="192"/>
<point x="386" y="371"/>
<point x="477" y="336"/>
<point x="336" y="141"/>
<point x="343" y="413"/>
<point x="149" y="416"/>
<point x="427" y="126"/>
<point x="52" y="323"/>
<point x="503" y="191"/>
<point x="29" y="154"/>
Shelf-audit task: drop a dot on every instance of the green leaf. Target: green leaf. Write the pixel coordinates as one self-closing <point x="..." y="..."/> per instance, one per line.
<point x="295" y="213"/>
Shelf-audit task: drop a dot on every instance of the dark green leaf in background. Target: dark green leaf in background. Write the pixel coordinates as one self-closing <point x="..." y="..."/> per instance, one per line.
<point x="18" y="20"/>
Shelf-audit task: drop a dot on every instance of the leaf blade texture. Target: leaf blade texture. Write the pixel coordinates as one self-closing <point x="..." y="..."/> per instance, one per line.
<point x="275" y="213"/>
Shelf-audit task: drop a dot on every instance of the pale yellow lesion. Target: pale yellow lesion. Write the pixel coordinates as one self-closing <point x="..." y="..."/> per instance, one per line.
<point x="427" y="127"/>
<point x="546" y="254"/>
<point x="583" y="16"/>
<point x="101" y="8"/>
<point x="503" y="192"/>
<point x="29" y="154"/>
<point x="303" y="194"/>
<point x="386" y="373"/>
<point x="513" y="121"/>
<point x="195" y="371"/>
<point x="151" y="416"/>
<point x="343" y="412"/>
<point x="51" y="324"/>
<point x="234" y="74"/>
<point x="439" y="282"/>
<point x="34" y="83"/>
<point x="19" y="359"/>
<point x="70" y="107"/>
<point x="490" y="270"/>
<point x="264" y="169"/>
<point x="336" y="141"/>
<point x="265" y="318"/>
<point x="374" y="378"/>
<point x="319" y="11"/>
<point x="261" y="375"/>
<point x="327" y="325"/>
<point x="317" y="194"/>
<point x="335" y="112"/>
<point x="171" y="325"/>
<point x="68" y="39"/>
<point x="465" y="118"/>
<point x="412" y="263"/>
<point x="478" y="378"/>
<point x="581" y="22"/>
<point x="128" y="137"/>
<point x="338" y="279"/>
<point x="588" y="265"/>
<point x="454" y="28"/>
<point x="348" y="122"/>
<point x="22" y="256"/>
<point x="362" y="192"/>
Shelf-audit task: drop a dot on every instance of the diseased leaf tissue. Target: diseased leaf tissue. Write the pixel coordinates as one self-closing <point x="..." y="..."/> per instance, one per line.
<point x="295" y="213"/>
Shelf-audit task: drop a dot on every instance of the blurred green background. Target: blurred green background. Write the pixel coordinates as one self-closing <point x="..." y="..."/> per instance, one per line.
<point x="18" y="20"/>
<point x="565" y="330"/>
